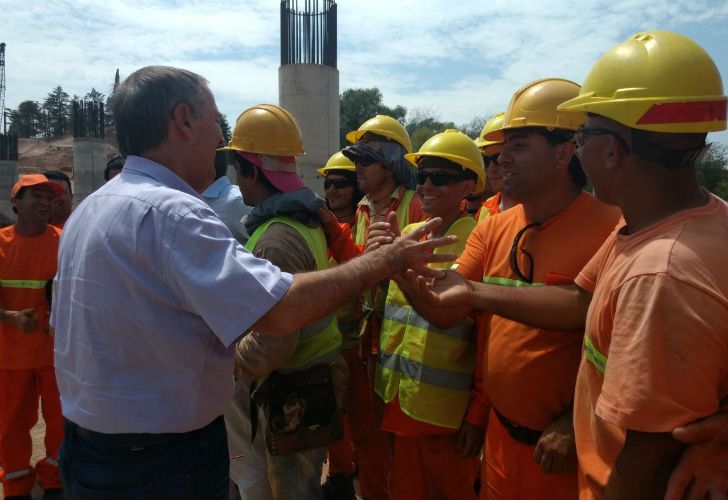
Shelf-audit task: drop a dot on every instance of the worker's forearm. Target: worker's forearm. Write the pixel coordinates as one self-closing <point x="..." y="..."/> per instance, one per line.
<point x="315" y="294"/>
<point x="644" y="456"/>
<point x="547" y="307"/>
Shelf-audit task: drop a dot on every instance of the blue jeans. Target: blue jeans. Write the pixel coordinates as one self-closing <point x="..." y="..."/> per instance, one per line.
<point x="193" y="465"/>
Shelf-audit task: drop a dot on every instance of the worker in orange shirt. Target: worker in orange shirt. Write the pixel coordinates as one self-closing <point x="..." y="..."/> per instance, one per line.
<point x="388" y="182"/>
<point x="655" y="296"/>
<point x="530" y="373"/>
<point x="490" y="150"/>
<point x="424" y="373"/>
<point x="28" y="258"/>
<point x="342" y="198"/>
<point x="656" y="341"/>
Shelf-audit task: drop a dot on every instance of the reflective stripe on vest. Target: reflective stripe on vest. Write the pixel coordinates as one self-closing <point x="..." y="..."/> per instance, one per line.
<point x="593" y="355"/>
<point x="17" y="474"/>
<point x="429" y="368"/>
<point x="32" y="284"/>
<point x="494" y="280"/>
<point x="374" y="297"/>
<point x="318" y="343"/>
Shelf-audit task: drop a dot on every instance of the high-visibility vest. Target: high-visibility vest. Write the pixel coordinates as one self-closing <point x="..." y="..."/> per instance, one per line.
<point x="430" y="368"/>
<point x="374" y="297"/>
<point x="320" y="342"/>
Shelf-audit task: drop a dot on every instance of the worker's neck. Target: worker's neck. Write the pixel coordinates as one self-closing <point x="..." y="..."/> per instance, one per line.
<point x="30" y="229"/>
<point x="380" y="196"/>
<point x="652" y="198"/>
<point x="550" y="201"/>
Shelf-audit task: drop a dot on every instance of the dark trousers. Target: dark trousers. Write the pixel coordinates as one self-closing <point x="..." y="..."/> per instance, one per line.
<point x="192" y="465"/>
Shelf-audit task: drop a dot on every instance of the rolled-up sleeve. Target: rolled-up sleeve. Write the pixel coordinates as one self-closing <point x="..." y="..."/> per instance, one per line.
<point x="228" y="287"/>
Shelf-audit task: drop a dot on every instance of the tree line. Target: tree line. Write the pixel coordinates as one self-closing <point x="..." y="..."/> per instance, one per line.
<point x="358" y="105"/>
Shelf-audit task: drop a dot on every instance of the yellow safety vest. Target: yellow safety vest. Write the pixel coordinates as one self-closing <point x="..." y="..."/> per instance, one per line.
<point x="374" y="297"/>
<point x="430" y="368"/>
<point x="320" y="342"/>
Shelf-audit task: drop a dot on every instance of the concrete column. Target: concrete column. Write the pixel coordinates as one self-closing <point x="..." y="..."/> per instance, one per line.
<point x="311" y="93"/>
<point x="8" y="178"/>
<point x="89" y="162"/>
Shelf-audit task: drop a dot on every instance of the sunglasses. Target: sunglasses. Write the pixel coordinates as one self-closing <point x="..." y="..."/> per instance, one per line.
<point x="583" y="133"/>
<point x="490" y="159"/>
<point x="438" y="178"/>
<point x="337" y="183"/>
<point x="513" y="257"/>
<point x="365" y="161"/>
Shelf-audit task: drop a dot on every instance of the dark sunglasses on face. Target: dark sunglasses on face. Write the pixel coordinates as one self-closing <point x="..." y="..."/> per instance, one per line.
<point x="438" y="178"/>
<point x="337" y="183"/>
<point x="583" y="133"/>
<point x="365" y="161"/>
<point x="490" y="159"/>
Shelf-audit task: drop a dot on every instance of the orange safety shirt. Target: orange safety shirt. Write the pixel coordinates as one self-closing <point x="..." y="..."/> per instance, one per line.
<point x="25" y="265"/>
<point x="656" y="341"/>
<point x="491" y="206"/>
<point x="529" y="374"/>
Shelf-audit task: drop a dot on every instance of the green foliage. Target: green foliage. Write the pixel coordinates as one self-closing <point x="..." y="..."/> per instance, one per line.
<point x="27" y="120"/>
<point x="358" y="105"/>
<point x="712" y="170"/>
<point x="57" y="116"/>
<point x="225" y="127"/>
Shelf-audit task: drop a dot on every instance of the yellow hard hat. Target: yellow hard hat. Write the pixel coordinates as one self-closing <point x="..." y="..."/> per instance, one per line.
<point x="266" y="129"/>
<point x="535" y="105"/>
<point x="385" y="126"/>
<point x="457" y="147"/>
<point x="491" y="147"/>
<point x="658" y="81"/>
<point x="337" y="162"/>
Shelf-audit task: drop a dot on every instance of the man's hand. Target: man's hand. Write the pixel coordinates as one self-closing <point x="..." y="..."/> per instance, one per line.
<point x="324" y="215"/>
<point x="26" y="321"/>
<point x="408" y="252"/>
<point x="449" y="290"/>
<point x="556" y="450"/>
<point x="382" y="233"/>
<point x="702" y="471"/>
<point x="470" y="440"/>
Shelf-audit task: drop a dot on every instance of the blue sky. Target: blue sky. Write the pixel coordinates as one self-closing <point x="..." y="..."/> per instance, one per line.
<point x="458" y="59"/>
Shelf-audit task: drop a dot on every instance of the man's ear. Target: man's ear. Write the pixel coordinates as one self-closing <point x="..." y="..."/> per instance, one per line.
<point x="181" y="121"/>
<point x="614" y="153"/>
<point x="564" y="152"/>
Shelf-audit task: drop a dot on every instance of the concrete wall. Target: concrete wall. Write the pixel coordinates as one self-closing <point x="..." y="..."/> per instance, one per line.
<point x="8" y="178"/>
<point x="311" y="93"/>
<point x="89" y="162"/>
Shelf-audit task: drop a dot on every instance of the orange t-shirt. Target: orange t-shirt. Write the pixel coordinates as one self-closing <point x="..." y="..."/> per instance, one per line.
<point x="530" y="373"/>
<point x="25" y="265"/>
<point x="656" y="341"/>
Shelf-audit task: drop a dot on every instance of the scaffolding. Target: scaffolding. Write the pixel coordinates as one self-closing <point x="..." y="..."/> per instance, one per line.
<point x="308" y="32"/>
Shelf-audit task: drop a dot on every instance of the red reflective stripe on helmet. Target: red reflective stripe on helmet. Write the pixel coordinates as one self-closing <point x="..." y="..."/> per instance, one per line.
<point x="684" y="112"/>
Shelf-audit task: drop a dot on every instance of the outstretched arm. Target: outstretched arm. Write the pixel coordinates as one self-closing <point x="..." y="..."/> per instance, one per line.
<point x="316" y="294"/>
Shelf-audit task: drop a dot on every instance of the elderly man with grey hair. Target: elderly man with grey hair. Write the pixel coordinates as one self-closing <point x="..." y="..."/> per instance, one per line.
<point x="152" y="292"/>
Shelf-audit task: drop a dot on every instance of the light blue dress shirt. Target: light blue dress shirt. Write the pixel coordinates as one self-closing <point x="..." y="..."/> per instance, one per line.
<point x="151" y="292"/>
<point x="227" y="202"/>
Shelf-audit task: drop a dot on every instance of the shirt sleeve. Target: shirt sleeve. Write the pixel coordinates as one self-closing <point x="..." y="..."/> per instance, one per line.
<point x="286" y="248"/>
<point x="666" y="364"/>
<point x="479" y="406"/>
<point x="587" y="278"/>
<point x="340" y="241"/>
<point x="216" y="277"/>
<point x="471" y="261"/>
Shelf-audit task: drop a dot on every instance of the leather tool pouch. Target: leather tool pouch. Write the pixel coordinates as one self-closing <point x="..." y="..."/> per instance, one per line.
<point x="300" y="410"/>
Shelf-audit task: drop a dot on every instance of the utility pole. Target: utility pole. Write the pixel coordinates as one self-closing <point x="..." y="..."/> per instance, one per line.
<point x="2" y="88"/>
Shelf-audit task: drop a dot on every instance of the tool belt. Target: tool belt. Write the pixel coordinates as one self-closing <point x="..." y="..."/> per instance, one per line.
<point x="300" y="410"/>
<point x="523" y="435"/>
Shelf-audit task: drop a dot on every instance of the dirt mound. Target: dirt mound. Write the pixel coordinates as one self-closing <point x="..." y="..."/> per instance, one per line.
<point x="40" y="154"/>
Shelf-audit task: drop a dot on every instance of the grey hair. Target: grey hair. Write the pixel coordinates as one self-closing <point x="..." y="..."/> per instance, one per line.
<point x="143" y="105"/>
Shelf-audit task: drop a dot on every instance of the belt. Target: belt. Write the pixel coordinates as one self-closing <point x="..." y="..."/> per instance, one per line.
<point x="523" y="435"/>
<point x="133" y="443"/>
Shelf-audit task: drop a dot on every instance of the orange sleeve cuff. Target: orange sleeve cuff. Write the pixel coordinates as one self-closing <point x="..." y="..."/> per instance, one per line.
<point x="477" y="413"/>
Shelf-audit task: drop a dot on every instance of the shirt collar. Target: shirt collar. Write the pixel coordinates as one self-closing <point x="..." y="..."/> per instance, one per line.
<point x="216" y="189"/>
<point x="137" y="165"/>
<point x="394" y="195"/>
